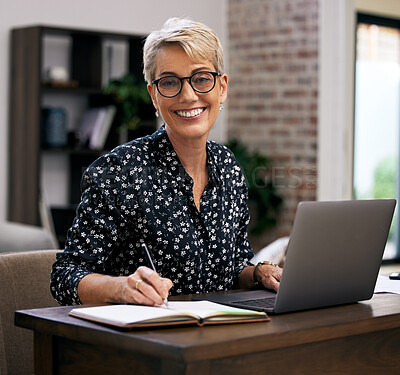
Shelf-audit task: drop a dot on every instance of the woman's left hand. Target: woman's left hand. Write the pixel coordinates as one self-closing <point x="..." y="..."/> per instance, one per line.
<point x="269" y="275"/>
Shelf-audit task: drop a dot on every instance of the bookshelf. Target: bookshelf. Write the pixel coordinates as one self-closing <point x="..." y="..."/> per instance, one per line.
<point x="88" y="60"/>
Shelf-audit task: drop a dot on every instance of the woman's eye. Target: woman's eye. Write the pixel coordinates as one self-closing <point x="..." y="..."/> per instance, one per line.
<point x="169" y="83"/>
<point x="202" y="79"/>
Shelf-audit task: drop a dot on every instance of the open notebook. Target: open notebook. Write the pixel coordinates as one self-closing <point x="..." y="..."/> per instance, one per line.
<point x="185" y="312"/>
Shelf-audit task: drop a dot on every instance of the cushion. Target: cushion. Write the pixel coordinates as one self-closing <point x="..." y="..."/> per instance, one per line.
<point x="20" y="237"/>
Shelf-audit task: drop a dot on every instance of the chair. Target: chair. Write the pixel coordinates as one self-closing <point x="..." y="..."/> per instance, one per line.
<point x="24" y="284"/>
<point x="22" y="237"/>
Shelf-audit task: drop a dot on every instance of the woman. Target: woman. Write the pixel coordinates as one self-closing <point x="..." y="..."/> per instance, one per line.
<point x="181" y="195"/>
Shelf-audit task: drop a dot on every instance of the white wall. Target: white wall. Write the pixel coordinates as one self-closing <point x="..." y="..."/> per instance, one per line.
<point x="388" y="8"/>
<point x="335" y="99"/>
<point x="336" y="91"/>
<point x="125" y="16"/>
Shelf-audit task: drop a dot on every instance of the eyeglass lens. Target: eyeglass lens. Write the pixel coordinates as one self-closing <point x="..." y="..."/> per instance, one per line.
<point x="201" y="82"/>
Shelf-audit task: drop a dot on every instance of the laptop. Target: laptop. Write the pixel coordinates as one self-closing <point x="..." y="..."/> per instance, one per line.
<point x="333" y="258"/>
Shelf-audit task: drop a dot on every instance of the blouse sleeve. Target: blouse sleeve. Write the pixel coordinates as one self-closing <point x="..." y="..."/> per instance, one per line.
<point x="244" y="252"/>
<point x="98" y="228"/>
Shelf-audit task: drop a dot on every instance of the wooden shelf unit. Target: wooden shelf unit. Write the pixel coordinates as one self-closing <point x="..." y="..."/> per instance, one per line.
<point x="28" y="88"/>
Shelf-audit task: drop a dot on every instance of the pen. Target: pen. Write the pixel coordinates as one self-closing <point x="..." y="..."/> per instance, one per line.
<point x="165" y="300"/>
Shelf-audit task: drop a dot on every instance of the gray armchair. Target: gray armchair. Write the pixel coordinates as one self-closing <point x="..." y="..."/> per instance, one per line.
<point x="24" y="284"/>
<point x="20" y="237"/>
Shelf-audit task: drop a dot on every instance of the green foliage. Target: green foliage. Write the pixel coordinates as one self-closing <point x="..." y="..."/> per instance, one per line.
<point x="385" y="179"/>
<point x="264" y="201"/>
<point x="130" y="93"/>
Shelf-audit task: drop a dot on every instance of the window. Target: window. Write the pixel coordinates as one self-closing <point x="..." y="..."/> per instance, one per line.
<point x="376" y="128"/>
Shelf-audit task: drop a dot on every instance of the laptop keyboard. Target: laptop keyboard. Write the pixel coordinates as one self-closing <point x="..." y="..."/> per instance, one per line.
<point x="266" y="303"/>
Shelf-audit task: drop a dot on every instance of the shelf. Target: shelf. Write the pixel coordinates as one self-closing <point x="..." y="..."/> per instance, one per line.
<point x="74" y="151"/>
<point x="85" y="56"/>
<point x="46" y="89"/>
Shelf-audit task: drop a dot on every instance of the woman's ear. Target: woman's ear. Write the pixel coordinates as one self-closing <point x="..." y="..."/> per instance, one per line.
<point x="150" y="89"/>
<point x="224" y="88"/>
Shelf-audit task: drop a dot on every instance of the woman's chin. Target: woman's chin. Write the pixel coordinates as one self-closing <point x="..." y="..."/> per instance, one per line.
<point x="189" y="130"/>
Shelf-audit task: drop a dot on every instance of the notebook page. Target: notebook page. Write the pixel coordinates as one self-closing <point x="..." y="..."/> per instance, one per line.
<point x="204" y="309"/>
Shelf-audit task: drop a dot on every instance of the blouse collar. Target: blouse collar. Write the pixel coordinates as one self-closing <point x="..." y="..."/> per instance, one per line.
<point x="168" y="161"/>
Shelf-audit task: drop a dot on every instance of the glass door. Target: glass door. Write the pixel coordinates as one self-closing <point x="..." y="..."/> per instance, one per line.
<point x="376" y="130"/>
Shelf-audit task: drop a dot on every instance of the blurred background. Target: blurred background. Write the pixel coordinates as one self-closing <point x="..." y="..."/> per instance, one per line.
<point x="312" y="110"/>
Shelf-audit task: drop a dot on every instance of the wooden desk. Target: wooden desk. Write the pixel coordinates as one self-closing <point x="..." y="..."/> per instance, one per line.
<point x="352" y="339"/>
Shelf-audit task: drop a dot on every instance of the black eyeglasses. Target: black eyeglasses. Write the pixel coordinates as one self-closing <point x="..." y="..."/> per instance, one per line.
<point x="171" y="86"/>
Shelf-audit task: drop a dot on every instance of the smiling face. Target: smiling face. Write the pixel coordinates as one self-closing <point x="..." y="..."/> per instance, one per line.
<point x="189" y="115"/>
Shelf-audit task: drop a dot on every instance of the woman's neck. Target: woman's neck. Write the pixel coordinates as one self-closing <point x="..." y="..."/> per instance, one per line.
<point x="193" y="155"/>
<point x="191" y="152"/>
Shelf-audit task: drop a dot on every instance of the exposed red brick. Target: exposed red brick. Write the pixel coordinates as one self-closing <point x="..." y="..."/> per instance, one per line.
<point x="273" y="93"/>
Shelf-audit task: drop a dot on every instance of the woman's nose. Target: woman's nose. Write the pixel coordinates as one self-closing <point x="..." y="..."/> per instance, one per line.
<point x="187" y="93"/>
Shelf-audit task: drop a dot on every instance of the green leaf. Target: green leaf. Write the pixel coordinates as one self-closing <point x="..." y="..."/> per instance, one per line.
<point x="264" y="201"/>
<point x="131" y="93"/>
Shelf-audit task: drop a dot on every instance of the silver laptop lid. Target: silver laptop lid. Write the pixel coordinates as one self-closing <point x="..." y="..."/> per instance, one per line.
<point x="334" y="253"/>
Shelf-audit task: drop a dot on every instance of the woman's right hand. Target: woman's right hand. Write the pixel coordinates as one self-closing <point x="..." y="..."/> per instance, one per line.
<point x="145" y="287"/>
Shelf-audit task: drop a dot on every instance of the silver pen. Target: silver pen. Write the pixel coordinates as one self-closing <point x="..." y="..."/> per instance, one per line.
<point x="165" y="300"/>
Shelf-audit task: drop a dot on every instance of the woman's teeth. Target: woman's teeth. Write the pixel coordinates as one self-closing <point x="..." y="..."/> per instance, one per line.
<point x="194" y="112"/>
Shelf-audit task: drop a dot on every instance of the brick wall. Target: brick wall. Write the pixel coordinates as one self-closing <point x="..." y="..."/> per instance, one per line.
<point x="272" y="102"/>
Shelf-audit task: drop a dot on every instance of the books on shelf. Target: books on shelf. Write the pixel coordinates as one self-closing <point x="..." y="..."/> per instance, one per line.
<point x="95" y="126"/>
<point x="185" y="312"/>
<point x="115" y="57"/>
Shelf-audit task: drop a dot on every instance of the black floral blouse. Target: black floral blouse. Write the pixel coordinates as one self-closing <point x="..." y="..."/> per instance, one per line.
<point x="140" y="192"/>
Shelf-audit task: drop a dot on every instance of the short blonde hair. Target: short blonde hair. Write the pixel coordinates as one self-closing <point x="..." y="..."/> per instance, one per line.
<point x="198" y="41"/>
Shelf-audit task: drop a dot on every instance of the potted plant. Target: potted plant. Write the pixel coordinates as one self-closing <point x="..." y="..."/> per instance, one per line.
<point x="129" y="94"/>
<point x="264" y="201"/>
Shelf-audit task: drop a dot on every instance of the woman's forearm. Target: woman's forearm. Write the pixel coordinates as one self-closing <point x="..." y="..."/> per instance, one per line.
<point x="97" y="288"/>
<point x="246" y="278"/>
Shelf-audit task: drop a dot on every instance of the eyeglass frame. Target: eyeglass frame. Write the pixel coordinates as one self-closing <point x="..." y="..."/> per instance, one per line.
<point x="214" y="74"/>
